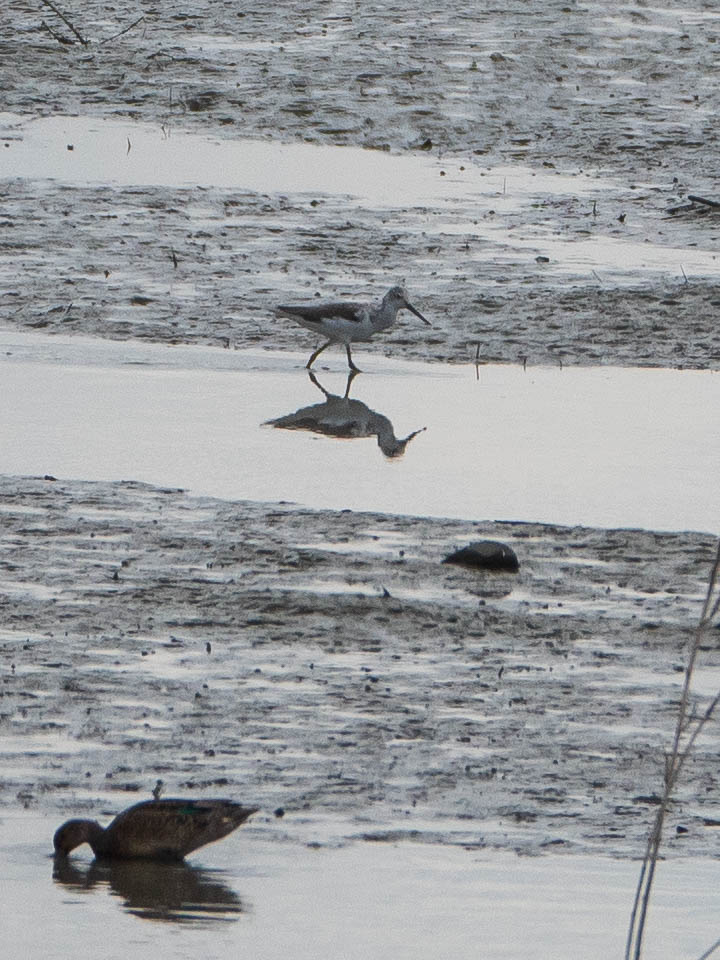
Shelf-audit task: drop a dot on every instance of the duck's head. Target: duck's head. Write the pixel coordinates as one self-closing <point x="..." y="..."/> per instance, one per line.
<point x="74" y="832"/>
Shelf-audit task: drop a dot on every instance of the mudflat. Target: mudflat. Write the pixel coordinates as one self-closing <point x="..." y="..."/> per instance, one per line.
<point x="321" y="662"/>
<point x="329" y="664"/>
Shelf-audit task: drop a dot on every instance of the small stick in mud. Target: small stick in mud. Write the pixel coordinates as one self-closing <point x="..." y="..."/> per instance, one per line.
<point x="68" y="23"/>
<point x="126" y="30"/>
<point x="709" y="203"/>
<point x="56" y="36"/>
<point x="693" y="199"/>
<point x="680" y="208"/>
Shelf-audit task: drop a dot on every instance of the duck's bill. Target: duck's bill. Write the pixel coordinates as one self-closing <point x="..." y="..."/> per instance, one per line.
<point x="417" y="313"/>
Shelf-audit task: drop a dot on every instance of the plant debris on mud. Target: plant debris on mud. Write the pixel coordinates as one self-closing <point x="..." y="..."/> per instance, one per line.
<point x="330" y="664"/>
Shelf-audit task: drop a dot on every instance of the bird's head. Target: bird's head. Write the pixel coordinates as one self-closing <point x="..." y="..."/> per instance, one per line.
<point x="72" y="833"/>
<point x="397" y="298"/>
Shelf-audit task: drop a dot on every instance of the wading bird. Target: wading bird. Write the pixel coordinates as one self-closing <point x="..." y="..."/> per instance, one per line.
<point x="347" y="322"/>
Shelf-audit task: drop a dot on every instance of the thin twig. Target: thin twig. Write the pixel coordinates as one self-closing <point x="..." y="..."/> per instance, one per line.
<point x="710" y="950"/>
<point x="680" y="208"/>
<point x="56" y="36"/>
<point x="68" y="23"/>
<point x="674" y="765"/>
<point x="708" y="203"/>
<point x="126" y="30"/>
<point x="714" y="573"/>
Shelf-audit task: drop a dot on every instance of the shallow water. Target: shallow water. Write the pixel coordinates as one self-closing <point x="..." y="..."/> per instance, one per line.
<point x="597" y="446"/>
<point x="250" y="896"/>
<point x="440" y="197"/>
<point x="80" y="149"/>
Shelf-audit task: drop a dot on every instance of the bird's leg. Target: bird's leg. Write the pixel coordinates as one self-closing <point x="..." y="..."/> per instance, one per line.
<point x="351" y="377"/>
<point x="314" y="356"/>
<point x="350" y="360"/>
<point x="319" y="385"/>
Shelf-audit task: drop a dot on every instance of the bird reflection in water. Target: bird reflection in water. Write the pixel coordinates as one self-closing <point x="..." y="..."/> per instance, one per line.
<point x="171" y="892"/>
<point x="343" y="417"/>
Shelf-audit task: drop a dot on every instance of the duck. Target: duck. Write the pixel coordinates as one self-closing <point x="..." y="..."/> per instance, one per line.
<point x="154" y="829"/>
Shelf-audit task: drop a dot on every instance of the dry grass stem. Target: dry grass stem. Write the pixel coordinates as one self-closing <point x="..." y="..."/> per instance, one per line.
<point x="68" y="23"/>
<point x="688" y="727"/>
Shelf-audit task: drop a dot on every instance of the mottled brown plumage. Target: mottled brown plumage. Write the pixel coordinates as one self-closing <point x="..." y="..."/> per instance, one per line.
<point x="155" y="829"/>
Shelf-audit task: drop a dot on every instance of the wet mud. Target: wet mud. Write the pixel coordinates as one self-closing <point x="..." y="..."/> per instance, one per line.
<point x="566" y="82"/>
<point x="564" y="88"/>
<point x="330" y="665"/>
<point x="190" y="266"/>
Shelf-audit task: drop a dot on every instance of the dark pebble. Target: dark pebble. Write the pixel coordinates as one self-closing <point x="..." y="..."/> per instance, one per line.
<point x="486" y="554"/>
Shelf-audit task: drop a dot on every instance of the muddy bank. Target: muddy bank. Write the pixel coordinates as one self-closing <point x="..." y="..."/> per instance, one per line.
<point x="327" y="663"/>
<point x="566" y="87"/>
<point x="562" y="82"/>
<point x="209" y="265"/>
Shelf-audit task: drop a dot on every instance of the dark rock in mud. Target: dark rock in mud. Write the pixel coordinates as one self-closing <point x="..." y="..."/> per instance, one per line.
<point x="487" y="555"/>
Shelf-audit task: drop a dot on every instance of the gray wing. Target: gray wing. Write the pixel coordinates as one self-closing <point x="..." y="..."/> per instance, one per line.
<point x="317" y="312"/>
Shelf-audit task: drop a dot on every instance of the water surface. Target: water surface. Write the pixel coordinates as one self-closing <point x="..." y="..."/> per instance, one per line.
<point x="269" y="900"/>
<point x="600" y="446"/>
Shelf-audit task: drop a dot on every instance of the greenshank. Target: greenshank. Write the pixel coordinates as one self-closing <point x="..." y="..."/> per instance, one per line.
<point x="348" y="322"/>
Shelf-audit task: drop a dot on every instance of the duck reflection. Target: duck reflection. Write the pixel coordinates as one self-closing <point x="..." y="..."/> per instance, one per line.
<point x="342" y="417"/>
<point x="174" y="892"/>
